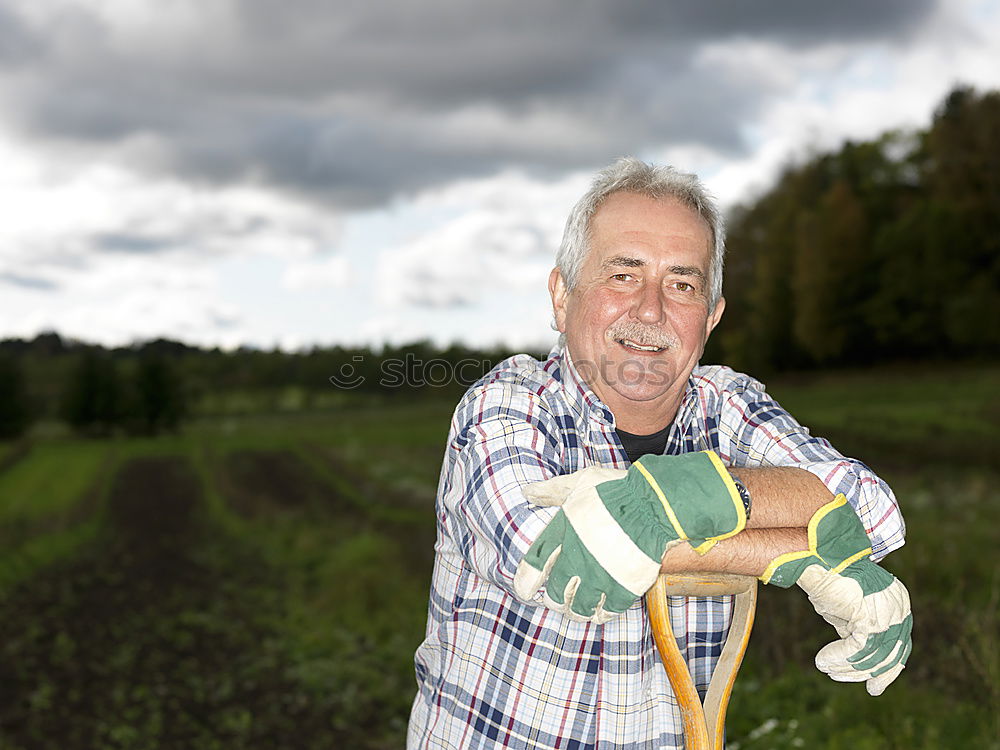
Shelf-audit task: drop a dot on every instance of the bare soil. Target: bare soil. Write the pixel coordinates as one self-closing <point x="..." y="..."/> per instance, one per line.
<point x="257" y="483"/>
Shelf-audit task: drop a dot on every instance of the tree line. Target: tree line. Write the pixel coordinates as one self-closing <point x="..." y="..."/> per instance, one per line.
<point x="152" y="387"/>
<point x="885" y="250"/>
<point x="97" y="394"/>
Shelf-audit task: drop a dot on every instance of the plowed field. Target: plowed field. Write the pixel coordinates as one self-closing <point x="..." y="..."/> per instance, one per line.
<point x="161" y="633"/>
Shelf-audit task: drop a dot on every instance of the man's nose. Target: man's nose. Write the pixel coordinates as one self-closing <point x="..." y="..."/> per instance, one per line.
<point x="647" y="305"/>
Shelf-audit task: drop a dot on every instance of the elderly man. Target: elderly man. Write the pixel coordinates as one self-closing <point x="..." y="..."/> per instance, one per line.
<point x="570" y="483"/>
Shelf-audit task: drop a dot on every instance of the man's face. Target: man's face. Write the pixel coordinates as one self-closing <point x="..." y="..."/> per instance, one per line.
<point x="637" y="321"/>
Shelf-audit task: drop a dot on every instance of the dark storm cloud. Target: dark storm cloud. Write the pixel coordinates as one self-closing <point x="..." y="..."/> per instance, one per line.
<point x="791" y="21"/>
<point x="19" y="44"/>
<point x="357" y="104"/>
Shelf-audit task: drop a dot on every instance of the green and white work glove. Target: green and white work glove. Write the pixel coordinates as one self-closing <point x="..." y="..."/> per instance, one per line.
<point x="603" y="549"/>
<point x="867" y="605"/>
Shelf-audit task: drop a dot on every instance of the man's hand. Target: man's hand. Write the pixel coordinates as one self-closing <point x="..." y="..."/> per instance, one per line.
<point x="603" y="549"/>
<point x="868" y="606"/>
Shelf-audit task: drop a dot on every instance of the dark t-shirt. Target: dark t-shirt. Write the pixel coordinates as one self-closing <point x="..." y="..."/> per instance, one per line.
<point x="641" y="445"/>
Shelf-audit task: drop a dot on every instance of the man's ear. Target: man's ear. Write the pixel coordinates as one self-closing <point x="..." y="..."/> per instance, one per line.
<point x="715" y="316"/>
<point x="558" y="293"/>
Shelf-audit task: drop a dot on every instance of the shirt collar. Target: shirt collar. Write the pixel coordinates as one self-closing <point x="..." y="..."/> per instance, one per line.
<point x="583" y="401"/>
<point x="689" y="405"/>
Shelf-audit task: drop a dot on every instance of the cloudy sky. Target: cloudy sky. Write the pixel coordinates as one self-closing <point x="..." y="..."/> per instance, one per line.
<point x="298" y="172"/>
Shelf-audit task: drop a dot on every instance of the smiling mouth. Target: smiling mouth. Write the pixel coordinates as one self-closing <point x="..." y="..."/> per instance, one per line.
<point x="629" y="344"/>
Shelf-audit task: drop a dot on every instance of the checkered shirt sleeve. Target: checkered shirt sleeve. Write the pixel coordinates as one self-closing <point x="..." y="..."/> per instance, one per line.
<point x="755" y="431"/>
<point x="504" y="439"/>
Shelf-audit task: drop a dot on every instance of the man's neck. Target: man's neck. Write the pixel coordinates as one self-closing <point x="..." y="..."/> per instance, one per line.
<point x="642" y="424"/>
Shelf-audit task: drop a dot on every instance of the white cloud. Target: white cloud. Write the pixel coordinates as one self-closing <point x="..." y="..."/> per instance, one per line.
<point x="474" y="255"/>
<point x="330" y="273"/>
<point x="501" y="238"/>
<point x="98" y="252"/>
<point x="126" y="306"/>
<point x="69" y="218"/>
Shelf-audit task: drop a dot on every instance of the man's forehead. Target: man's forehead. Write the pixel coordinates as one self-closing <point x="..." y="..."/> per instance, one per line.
<point x="625" y="201"/>
<point x="629" y="220"/>
<point x="627" y="215"/>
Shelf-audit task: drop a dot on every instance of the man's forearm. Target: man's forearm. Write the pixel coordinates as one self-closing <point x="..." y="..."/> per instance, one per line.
<point x="784" y="499"/>
<point x="748" y="553"/>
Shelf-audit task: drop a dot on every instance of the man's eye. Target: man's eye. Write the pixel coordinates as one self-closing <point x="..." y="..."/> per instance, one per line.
<point x="683" y="286"/>
<point x="621" y="276"/>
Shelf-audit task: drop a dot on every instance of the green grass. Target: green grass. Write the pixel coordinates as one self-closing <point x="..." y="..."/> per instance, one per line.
<point x="50" y="504"/>
<point x="952" y="410"/>
<point x="50" y="479"/>
<point x="800" y="708"/>
<point x="354" y="603"/>
<point x="8" y="449"/>
<point x="400" y="446"/>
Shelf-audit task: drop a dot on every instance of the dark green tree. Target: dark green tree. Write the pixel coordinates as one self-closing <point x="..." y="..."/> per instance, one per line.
<point x="905" y="318"/>
<point x="963" y="172"/>
<point x="93" y="399"/>
<point x="15" y="412"/>
<point x="829" y="273"/>
<point x="758" y="330"/>
<point x="158" y="401"/>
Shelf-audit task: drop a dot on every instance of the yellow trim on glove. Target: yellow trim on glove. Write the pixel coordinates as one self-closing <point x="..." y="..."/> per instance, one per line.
<point x="734" y="495"/>
<point x="813" y="527"/>
<point x="819" y="515"/>
<point x="780" y="560"/>
<point x="663" y="500"/>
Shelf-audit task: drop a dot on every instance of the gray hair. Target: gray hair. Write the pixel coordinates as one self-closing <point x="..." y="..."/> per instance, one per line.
<point x="630" y="175"/>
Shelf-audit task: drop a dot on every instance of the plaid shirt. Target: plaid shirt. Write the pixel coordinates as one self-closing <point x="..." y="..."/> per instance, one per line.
<point x="496" y="671"/>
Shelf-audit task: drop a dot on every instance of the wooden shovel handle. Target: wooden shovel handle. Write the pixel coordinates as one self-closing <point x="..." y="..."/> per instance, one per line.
<point x="704" y="726"/>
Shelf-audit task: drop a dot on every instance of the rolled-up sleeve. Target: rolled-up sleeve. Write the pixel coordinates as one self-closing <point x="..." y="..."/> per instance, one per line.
<point x="503" y="438"/>
<point x="755" y="431"/>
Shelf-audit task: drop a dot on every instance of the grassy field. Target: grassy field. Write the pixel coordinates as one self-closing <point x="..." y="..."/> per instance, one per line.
<point x="261" y="582"/>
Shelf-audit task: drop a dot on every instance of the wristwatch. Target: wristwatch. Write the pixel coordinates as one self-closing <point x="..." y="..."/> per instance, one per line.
<point x="744" y="495"/>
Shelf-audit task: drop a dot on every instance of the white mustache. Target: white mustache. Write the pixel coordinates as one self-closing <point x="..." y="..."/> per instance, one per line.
<point x="642" y="335"/>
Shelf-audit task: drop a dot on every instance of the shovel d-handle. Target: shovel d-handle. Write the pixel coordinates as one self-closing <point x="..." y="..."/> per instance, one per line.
<point x="704" y="725"/>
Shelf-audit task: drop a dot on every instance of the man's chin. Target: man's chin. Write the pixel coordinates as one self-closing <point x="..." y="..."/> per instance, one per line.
<point x="641" y="394"/>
